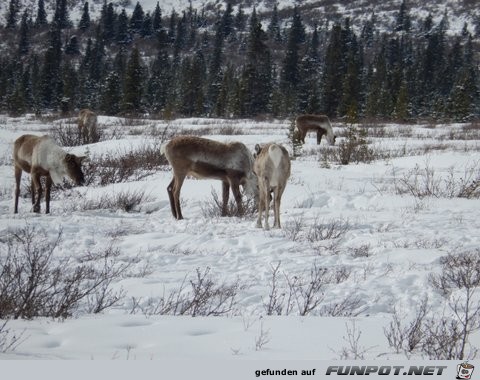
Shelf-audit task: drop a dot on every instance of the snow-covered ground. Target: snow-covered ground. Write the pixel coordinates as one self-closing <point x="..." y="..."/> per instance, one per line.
<point x="387" y="245"/>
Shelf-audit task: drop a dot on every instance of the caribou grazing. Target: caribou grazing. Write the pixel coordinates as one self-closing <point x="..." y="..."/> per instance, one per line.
<point x="319" y="123"/>
<point x="87" y="126"/>
<point x="272" y="167"/>
<point x="41" y="157"/>
<point x="230" y="163"/>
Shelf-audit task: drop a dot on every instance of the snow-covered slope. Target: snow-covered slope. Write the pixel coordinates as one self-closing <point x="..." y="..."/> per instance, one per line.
<point x="458" y="12"/>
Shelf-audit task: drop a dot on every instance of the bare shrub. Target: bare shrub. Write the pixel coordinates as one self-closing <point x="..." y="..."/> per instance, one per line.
<point x="275" y="305"/>
<point x="375" y="130"/>
<point x="35" y="283"/>
<point x="418" y="182"/>
<point x="361" y="251"/>
<point x="460" y="282"/>
<point x="445" y="337"/>
<point x="127" y="200"/>
<point x="262" y="339"/>
<point x="346" y="307"/>
<point x="332" y="229"/>
<point x="9" y="340"/>
<point x="66" y="134"/>
<point x="354" y="148"/>
<point x="424" y="182"/>
<point x="307" y="293"/>
<point x="212" y="208"/>
<point x="230" y="130"/>
<point x="107" y="261"/>
<point x="293" y="228"/>
<point x="304" y="293"/>
<point x="125" y="166"/>
<point x="467" y="132"/>
<point x="407" y="338"/>
<point x="354" y="350"/>
<point x="206" y="297"/>
<point x="326" y="155"/>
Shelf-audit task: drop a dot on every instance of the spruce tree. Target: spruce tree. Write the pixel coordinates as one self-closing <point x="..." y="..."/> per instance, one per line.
<point x="26" y="88"/>
<point x="215" y="75"/>
<point x="256" y="81"/>
<point x="274" y="26"/>
<point x="172" y="26"/>
<point x="240" y="21"/>
<point x="379" y="102"/>
<point x="12" y="14"/>
<point x="111" y="96"/>
<point x="191" y="87"/>
<point x="41" y="19"/>
<point x="136" y="21"/>
<point x="221" y="107"/>
<point x="227" y="20"/>
<point x="333" y="72"/>
<point x="465" y="95"/>
<point x="24" y="40"/>
<point x="180" y="35"/>
<point x="308" y="87"/>
<point x="368" y="31"/>
<point x="122" y="33"/>
<point x="147" y="26"/>
<point x="157" y="19"/>
<point x="36" y="83"/>
<point x="70" y="87"/>
<point x="61" y="17"/>
<point x="290" y="75"/>
<point x="134" y="78"/>
<point x="51" y="73"/>
<point x="84" y="23"/>
<point x="97" y="65"/>
<point x="159" y="87"/>
<point x="403" y="21"/>
<point x="427" y="25"/>
<point x="108" y="23"/>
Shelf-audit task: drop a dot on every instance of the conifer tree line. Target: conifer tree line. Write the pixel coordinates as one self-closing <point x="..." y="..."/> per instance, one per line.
<point x="232" y="64"/>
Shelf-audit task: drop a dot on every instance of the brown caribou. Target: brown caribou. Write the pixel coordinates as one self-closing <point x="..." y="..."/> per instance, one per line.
<point x="319" y="123"/>
<point x="231" y="163"/>
<point x="87" y="126"/>
<point x="41" y="157"/>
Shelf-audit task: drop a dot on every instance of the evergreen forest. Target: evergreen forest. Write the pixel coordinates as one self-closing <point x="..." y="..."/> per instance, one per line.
<point x="232" y="64"/>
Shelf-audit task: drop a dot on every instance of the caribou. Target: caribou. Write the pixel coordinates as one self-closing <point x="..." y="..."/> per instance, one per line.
<point x="319" y="123"/>
<point x="41" y="157"/>
<point x="231" y="163"/>
<point x="87" y="126"/>
<point x="272" y="167"/>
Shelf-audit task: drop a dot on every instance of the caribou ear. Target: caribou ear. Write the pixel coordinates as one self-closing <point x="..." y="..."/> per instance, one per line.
<point x="258" y="148"/>
<point x="69" y="157"/>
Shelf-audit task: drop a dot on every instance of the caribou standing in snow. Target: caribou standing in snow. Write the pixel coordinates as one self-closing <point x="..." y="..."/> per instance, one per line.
<point x="319" y="123"/>
<point x="272" y="167"/>
<point x="231" y="163"/>
<point x="87" y="126"/>
<point x="41" y="157"/>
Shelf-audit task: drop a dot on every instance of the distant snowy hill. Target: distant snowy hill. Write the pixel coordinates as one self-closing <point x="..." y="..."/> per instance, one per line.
<point x="459" y="12"/>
